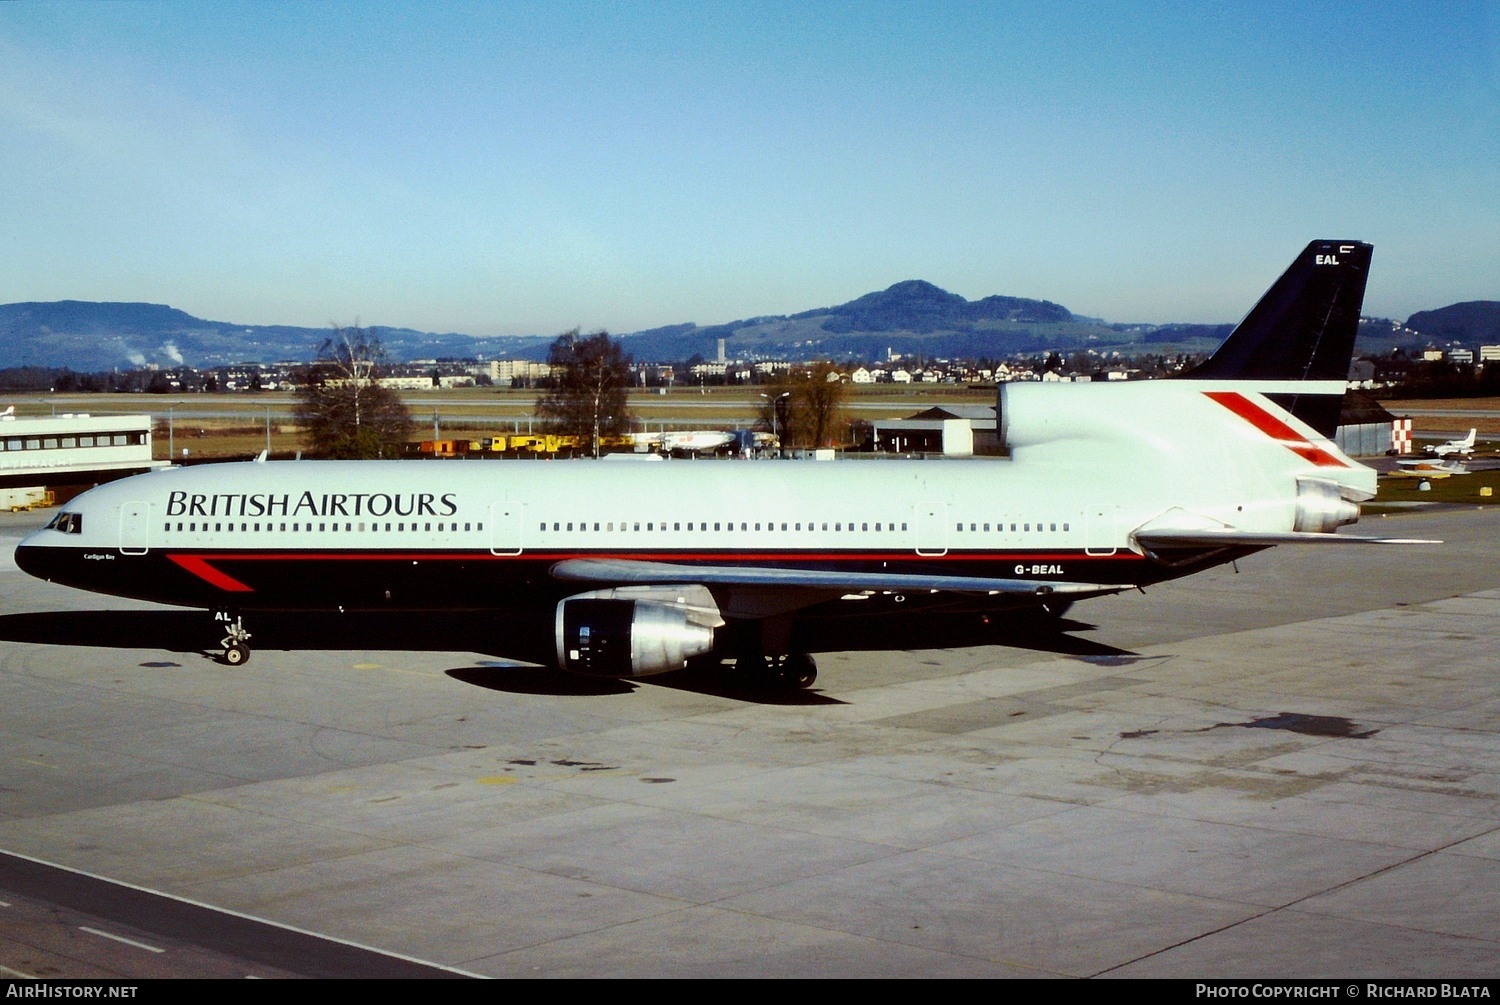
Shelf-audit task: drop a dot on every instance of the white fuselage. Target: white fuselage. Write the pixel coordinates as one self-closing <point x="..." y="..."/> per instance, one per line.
<point x="1062" y="508"/>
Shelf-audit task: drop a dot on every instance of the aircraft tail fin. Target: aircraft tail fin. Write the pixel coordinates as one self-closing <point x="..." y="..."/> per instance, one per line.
<point x="1302" y="330"/>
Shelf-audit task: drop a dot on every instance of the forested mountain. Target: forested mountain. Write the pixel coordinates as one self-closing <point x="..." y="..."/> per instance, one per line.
<point x="912" y="318"/>
<point x="1476" y="322"/>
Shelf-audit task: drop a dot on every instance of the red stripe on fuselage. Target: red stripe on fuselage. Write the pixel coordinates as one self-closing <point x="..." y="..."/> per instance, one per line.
<point x="1275" y="428"/>
<point x="198" y="566"/>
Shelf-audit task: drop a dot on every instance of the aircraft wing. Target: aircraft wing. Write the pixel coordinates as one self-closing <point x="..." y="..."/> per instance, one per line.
<point x="617" y="572"/>
<point x="1197" y="537"/>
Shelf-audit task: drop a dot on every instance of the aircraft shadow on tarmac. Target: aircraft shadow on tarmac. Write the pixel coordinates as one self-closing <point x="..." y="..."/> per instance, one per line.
<point x="519" y="655"/>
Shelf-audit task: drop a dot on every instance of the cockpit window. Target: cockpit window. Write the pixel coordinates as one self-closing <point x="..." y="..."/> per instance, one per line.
<point x="68" y="523"/>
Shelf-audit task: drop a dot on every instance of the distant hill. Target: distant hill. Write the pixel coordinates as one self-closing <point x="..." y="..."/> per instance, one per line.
<point x="1476" y="322"/>
<point x="921" y="308"/>
<point x="90" y="336"/>
<point x="913" y="318"/>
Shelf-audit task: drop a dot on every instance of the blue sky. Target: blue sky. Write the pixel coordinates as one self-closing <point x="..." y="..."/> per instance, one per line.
<point x="527" y="168"/>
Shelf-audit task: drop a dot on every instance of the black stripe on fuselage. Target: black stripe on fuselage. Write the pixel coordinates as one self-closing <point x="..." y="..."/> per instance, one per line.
<point x="479" y="579"/>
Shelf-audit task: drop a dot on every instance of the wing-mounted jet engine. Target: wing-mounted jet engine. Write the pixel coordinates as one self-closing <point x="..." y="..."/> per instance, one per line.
<point x="635" y="631"/>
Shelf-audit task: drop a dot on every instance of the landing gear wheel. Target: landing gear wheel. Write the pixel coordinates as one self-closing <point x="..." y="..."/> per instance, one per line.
<point x="801" y="670"/>
<point x="235" y="641"/>
<point x="797" y="671"/>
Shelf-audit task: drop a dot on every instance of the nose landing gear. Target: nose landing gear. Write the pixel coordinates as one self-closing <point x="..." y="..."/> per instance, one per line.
<point x="235" y="640"/>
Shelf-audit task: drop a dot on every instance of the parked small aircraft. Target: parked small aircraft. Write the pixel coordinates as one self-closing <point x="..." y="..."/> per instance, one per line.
<point x="1430" y="467"/>
<point x="1460" y="447"/>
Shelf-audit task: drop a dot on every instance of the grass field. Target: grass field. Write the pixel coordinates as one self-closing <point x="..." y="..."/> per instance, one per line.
<point x="1467" y="488"/>
<point x="1453" y="414"/>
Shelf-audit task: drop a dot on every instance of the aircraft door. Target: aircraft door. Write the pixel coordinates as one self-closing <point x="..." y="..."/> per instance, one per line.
<point x="932" y="529"/>
<point x="505" y="527"/>
<point x="1103" y="523"/>
<point x="135" y="528"/>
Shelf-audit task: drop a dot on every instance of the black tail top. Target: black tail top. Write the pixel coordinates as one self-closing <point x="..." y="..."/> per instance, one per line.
<point x="1303" y="328"/>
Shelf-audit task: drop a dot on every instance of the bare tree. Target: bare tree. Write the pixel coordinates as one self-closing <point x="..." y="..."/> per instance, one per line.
<point x="806" y="407"/>
<point x="343" y="409"/>
<point x="588" y="385"/>
<point x="823" y="397"/>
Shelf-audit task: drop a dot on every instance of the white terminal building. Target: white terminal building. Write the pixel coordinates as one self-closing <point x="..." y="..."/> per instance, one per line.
<point x="40" y="455"/>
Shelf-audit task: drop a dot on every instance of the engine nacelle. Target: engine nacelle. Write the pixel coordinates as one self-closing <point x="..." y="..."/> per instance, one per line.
<point x="1321" y="506"/>
<point x="634" y="631"/>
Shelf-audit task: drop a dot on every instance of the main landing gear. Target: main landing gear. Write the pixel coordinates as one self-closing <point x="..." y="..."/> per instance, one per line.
<point x="235" y="640"/>
<point x="793" y="670"/>
<point x="766" y="649"/>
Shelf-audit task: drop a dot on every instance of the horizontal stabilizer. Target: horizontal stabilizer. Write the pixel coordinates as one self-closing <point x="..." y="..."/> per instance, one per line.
<point x="593" y="570"/>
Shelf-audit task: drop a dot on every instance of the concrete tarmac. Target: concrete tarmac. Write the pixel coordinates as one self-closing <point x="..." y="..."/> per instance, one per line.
<point x="1289" y="772"/>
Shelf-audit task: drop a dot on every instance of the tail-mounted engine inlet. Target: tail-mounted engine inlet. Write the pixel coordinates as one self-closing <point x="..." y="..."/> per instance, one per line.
<point x="1321" y="506"/>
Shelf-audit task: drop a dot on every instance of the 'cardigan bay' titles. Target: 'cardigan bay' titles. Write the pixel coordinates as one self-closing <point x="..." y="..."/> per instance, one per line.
<point x="268" y="504"/>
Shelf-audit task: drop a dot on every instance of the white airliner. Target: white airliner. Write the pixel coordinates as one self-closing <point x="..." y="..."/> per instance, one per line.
<point x="631" y="570"/>
<point x="692" y="441"/>
<point x="1461" y="447"/>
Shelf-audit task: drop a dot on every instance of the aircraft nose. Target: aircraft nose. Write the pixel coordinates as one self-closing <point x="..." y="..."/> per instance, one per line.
<point x="32" y="558"/>
<point x="24" y="557"/>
